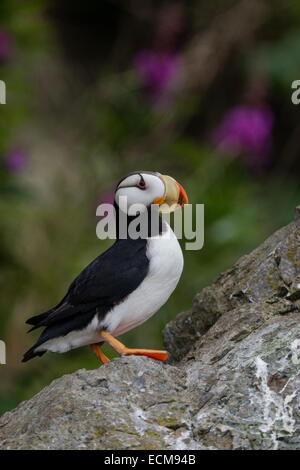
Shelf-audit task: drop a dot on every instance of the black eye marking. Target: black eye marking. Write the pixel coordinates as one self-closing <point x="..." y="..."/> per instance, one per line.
<point x="142" y="183"/>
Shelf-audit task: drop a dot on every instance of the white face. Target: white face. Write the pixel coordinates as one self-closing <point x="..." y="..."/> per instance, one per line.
<point x="139" y="188"/>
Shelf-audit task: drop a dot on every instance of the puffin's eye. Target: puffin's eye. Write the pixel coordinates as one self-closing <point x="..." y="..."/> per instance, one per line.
<point x="142" y="184"/>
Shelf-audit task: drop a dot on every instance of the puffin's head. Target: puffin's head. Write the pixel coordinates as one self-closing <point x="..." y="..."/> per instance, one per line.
<point x="146" y="188"/>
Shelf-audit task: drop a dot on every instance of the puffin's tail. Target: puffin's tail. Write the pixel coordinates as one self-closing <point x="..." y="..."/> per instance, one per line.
<point x="31" y="353"/>
<point x="41" y="319"/>
<point x="37" y="320"/>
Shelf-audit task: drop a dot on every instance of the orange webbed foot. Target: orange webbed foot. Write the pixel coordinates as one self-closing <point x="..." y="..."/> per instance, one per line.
<point x="121" y="349"/>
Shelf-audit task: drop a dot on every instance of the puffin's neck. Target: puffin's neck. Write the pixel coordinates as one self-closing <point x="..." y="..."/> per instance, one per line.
<point x="155" y="223"/>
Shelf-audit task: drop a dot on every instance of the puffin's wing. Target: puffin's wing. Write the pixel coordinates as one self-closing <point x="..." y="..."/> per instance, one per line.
<point x="103" y="283"/>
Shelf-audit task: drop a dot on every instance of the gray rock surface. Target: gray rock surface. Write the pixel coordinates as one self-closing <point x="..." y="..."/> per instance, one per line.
<point x="232" y="381"/>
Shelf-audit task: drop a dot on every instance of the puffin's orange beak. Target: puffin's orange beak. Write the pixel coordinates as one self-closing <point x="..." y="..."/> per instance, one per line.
<point x="182" y="198"/>
<point x="174" y="197"/>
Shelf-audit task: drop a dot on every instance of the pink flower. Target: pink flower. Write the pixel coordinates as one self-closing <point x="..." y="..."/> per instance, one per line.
<point x="6" y="46"/>
<point x="159" y="72"/>
<point x="16" y="160"/>
<point x="108" y="196"/>
<point x="246" y="130"/>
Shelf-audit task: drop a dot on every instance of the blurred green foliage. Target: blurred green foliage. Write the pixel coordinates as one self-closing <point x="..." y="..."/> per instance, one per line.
<point x="83" y="118"/>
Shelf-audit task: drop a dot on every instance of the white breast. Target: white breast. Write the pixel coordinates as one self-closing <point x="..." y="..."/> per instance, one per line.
<point x="165" y="268"/>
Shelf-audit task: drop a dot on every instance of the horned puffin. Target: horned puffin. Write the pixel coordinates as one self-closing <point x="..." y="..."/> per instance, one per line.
<point x="125" y="285"/>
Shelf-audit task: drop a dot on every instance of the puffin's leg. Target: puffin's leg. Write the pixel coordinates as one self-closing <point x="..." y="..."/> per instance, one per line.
<point x="121" y="349"/>
<point x="101" y="356"/>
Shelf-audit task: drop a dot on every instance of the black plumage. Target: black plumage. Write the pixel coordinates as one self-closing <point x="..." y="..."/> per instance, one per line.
<point x="104" y="283"/>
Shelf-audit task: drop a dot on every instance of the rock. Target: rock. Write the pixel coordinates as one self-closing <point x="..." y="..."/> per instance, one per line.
<point x="131" y="403"/>
<point x="268" y="277"/>
<point x="232" y="382"/>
